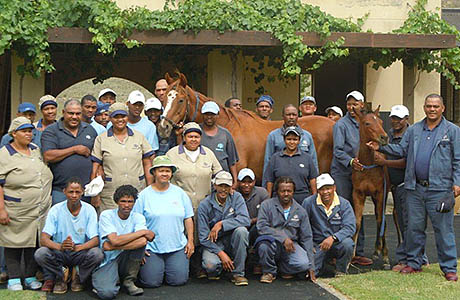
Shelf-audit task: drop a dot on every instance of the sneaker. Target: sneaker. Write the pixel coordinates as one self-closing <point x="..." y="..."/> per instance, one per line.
<point x="32" y="283"/>
<point x="267" y="278"/>
<point x="76" y="285"/>
<point x="214" y="277"/>
<point x="60" y="287"/>
<point x="3" y="277"/>
<point x="201" y="274"/>
<point x="48" y="286"/>
<point x="240" y="280"/>
<point x="15" y="284"/>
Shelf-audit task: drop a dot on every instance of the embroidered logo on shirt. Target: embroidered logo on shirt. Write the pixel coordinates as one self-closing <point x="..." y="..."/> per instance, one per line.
<point x="136" y="146"/>
<point x="337" y="217"/>
<point x="302" y="165"/>
<point x="305" y="143"/>
<point x="231" y="211"/>
<point x="206" y="165"/>
<point x="445" y="139"/>
<point x="81" y="230"/>
<point x="295" y="218"/>
<point x="88" y="137"/>
<point x="220" y="147"/>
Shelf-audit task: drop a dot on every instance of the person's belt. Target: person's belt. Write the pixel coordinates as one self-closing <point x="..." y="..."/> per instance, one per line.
<point x="423" y="183"/>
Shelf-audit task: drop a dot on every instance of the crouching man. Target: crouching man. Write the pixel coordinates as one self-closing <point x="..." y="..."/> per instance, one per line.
<point x="285" y="235"/>
<point x="333" y="224"/>
<point x="124" y="236"/>
<point x="222" y="222"/>
<point x="69" y="240"/>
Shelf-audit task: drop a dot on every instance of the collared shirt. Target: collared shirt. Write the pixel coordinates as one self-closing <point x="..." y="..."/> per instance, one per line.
<point x="233" y="214"/>
<point x="165" y="213"/>
<point x="56" y="136"/>
<point x="425" y="149"/>
<point x="222" y="145"/>
<point x="275" y="143"/>
<point x="346" y="145"/>
<point x="396" y="175"/>
<point x="256" y="197"/>
<point x="36" y="136"/>
<point x="148" y="129"/>
<point x="98" y="127"/>
<point x="335" y="202"/>
<point x="194" y="177"/>
<point x="26" y="182"/>
<point x="60" y="223"/>
<point x="110" y="222"/>
<point x="299" y="167"/>
<point x="121" y="161"/>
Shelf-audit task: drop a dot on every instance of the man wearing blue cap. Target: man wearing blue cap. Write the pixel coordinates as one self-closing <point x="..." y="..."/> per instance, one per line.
<point x="264" y="107"/>
<point x="102" y="113"/>
<point x="25" y="109"/>
<point x="218" y="139"/>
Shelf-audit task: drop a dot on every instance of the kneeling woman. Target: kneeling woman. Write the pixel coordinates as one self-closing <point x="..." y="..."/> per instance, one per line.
<point x="167" y="210"/>
<point x="293" y="163"/>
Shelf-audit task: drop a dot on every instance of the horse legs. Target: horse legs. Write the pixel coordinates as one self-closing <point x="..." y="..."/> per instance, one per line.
<point x="358" y="208"/>
<point x="380" y="242"/>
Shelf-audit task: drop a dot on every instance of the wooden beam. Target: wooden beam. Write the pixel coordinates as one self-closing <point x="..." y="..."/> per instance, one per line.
<point x="263" y="39"/>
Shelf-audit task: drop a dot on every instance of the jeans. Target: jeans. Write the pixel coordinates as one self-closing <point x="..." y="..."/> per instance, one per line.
<point x="13" y="258"/>
<point x="422" y="204"/>
<point x="52" y="261"/>
<point x="342" y="250"/>
<point x="173" y="267"/>
<point x="235" y="245"/>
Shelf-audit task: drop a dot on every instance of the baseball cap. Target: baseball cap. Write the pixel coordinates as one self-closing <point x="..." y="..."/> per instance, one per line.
<point x="308" y="98"/>
<point x="105" y="91"/>
<point x="399" y="111"/>
<point x="153" y="103"/>
<point x="292" y="129"/>
<point x="102" y="108"/>
<point x="223" y="177"/>
<point x="47" y="100"/>
<point x="136" y="96"/>
<point x="19" y="123"/>
<point x="335" y="109"/>
<point x="266" y="98"/>
<point x="210" y="107"/>
<point x="162" y="161"/>
<point x="26" y="106"/>
<point x="118" y="108"/>
<point x="324" y="179"/>
<point x="192" y="127"/>
<point x="246" y="172"/>
<point x="356" y="95"/>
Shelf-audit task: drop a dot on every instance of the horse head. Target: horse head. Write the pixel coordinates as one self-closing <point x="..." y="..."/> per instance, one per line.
<point x="370" y="126"/>
<point x="176" y="106"/>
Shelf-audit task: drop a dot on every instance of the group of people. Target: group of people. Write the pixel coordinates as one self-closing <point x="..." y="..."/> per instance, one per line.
<point x="100" y="194"/>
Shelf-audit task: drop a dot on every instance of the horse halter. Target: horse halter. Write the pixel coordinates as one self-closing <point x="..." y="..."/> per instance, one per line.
<point x="187" y="109"/>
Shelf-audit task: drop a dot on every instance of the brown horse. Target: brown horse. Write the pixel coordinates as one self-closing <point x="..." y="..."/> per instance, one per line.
<point x="372" y="181"/>
<point x="248" y="130"/>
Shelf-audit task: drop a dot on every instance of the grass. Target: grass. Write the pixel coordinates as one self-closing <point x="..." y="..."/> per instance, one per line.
<point x="22" y="295"/>
<point x="429" y="284"/>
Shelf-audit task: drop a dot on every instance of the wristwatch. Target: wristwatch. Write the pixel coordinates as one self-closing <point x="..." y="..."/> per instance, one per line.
<point x="335" y="238"/>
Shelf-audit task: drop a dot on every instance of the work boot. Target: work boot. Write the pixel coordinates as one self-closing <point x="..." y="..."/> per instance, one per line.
<point x="76" y="285"/>
<point x="132" y="269"/>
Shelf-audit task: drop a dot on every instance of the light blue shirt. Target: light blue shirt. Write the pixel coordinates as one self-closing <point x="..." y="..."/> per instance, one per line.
<point x="165" y="213"/>
<point x="110" y="222"/>
<point x="60" y="223"/>
<point x="98" y="127"/>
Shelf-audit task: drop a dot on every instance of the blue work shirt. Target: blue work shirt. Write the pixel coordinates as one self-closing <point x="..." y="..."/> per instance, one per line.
<point x="346" y="145"/>
<point x="165" y="213"/>
<point x="37" y="134"/>
<point x="110" y="222"/>
<point x="233" y="214"/>
<point x="275" y="143"/>
<point x="56" y="136"/>
<point x="396" y="175"/>
<point x="444" y="166"/>
<point x="341" y="222"/>
<point x="423" y="156"/>
<point x="296" y="226"/>
<point x="60" y="223"/>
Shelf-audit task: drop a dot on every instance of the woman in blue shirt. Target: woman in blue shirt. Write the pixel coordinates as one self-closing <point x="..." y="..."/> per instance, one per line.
<point x="293" y="163"/>
<point x="168" y="211"/>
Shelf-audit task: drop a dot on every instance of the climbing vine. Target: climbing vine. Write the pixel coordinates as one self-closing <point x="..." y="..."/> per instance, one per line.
<point x="24" y="25"/>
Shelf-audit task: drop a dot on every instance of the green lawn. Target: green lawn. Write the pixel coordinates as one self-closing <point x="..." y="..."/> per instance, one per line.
<point x="429" y="284"/>
<point x="22" y="295"/>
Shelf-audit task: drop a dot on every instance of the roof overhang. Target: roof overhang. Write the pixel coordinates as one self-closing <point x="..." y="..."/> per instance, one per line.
<point x="262" y="39"/>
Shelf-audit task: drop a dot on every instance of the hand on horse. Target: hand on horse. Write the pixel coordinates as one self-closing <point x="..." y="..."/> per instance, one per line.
<point x="379" y="159"/>
<point x="456" y="190"/>
<point x="289" y="245"/>
<point x="326" y="244"/>
<point x="180" y="129"/>
<point x="356" y="165"/>
<point x="373" y="145"/>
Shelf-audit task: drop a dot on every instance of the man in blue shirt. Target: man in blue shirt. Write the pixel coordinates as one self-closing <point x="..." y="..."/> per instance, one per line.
<point x="69" y="239"/>
<point x="432" y="180"/>
<point x="153" y="110"/>
<point x="333" y="225"/>
<point x="66" y="147"/>
<point x="346" y="146"/>
<point x="88" y="110"/>
<point x="123" y="235"/>
<point x="102" y="114"/>
<point x="275" y="139"/>
<point x="222" y="222"/>
<point x="25" y="109"/>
